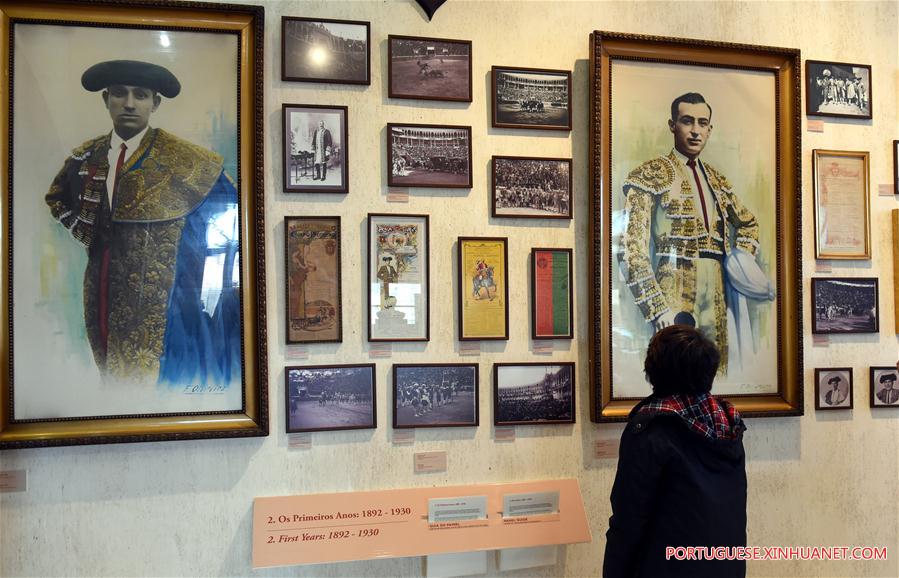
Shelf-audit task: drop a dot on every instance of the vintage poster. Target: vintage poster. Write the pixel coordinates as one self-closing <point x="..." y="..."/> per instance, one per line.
<point x="398" y="277"/>
<point x="483" y="293"/>
<point x="841" y="205"/>
<point x="314" y="312"/>
<point x="694" y="190"/>
<point x="552" y="293"/>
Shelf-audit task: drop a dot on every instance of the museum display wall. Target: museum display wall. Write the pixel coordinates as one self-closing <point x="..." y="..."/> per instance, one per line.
<point x="184" y="508"/>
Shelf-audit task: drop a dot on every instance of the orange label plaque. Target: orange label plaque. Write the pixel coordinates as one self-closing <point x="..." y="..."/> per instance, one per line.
<point x="348" y="526"/>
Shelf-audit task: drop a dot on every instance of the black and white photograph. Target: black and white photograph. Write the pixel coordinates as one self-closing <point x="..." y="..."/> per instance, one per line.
<point x="335" y="397"/>
<point x="833" y="388"/>
<point x="533" y="393"/>
<point x="435" y="395"/>
<point x="531" y="187"/>
<point x="322" y="50"/>
<point x="845" y="305"/>
<point x="838" y="89"/>
<point x="429" y="68"/>
<point x="428" y="155"/>
<point x="534" y="98"/>
<point x="884" y="387"/>
<point x="315" y="149"/>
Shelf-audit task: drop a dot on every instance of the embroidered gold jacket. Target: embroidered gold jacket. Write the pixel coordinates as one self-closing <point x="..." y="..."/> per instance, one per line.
<point x="665" y="232"/>
<point x="163" y="181"/>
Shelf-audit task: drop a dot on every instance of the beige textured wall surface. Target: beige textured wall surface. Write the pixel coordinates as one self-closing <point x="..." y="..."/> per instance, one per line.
<point x="184" y="509"/>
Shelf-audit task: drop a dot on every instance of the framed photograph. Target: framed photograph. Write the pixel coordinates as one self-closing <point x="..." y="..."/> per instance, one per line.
<point x="536" y="188"/>
<point x="833" y="388"/>
<point x="535" y="98"/>
<point x="884" y="392"/>
<point x="323" y="50"/>
<point x="687" y="226"/>
<point x="429" y="155"/>
<point x="315" y="149"/>
<point x="844" y="305"/>
<point x="838" y="89"/>
<point x="314" y="306"/>
<point x="330" y="397"/>
<point x="842" y="209"/>
<point x="428" y="68"/>
<point x="133" y="224"/>
<point x="552" y="316"/>
<point x="399" y="278"/>
<point x="483" y="288"/>
<point x="533" y="393"/>
<point x="435" y="395"/>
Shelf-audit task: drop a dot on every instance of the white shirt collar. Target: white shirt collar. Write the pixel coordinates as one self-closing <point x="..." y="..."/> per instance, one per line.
<point x="682" y="157"/>
<point x="115" y="143"/>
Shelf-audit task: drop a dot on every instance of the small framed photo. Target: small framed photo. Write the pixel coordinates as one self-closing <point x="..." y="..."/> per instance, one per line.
<point x="833" y="388"/>
<point x="315" y="149"/>
<point x="838" y="89"/>
<point x="842" y="205"/>
<point x="535" y="188"/>
<point x="533" y="393"/>
<point x="845" y="305"/>
<point x="322" y="50"/>
<point x="429" y="155"/>
<point x="884" y="390"/>
<point x="429" y="68"/>
<point x="552" y="316"/>
<point x="330" y="397"/>
<point x="483" y="288"/>
<point x="435" y="395"/>
<point x="399" y="270"/>
<point x="535" y="98"/>
<point x="312" y="250"/>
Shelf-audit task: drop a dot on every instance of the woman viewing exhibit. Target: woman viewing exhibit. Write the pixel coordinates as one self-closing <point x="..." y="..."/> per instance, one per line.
<point x="681" y="478"/>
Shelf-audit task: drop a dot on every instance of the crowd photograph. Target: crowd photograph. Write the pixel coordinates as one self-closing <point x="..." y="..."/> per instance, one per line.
<point x="525" y="187"/>
<point x="429" y="68"/>
<point x="325" y="50"/>
<point x="530" y="98"/>
<point x="435" y="395"/>
<point x="533" y="393"/>
<point x="330" y="398"/>
<point x="429" y="156"/>
<point x="844" y="305"/>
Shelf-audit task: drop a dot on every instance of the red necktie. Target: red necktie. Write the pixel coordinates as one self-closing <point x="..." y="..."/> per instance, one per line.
<point x="103" y="301"/>
<point x="705" y="216"/>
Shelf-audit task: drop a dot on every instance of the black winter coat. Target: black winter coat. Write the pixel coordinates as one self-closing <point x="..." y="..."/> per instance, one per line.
<point x="675" y="487"/>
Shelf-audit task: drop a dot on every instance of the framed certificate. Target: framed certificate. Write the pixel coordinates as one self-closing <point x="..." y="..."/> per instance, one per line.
<point x="842" y="209"/>
<point x="398" y="278"/>
<point x="551" y="311"/>
<point x="483" y="288"/>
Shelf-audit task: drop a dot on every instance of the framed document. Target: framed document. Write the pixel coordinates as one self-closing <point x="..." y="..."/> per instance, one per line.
<point x="536" y="188"/>
<point x="314" y="307"/>
<point x="695" y="206"/>
<point x="833" y="388"/>
<point x="435" y="395"/>
<point x="315" y="150"/>
<point x="552" y="316"/>
<point x="533" y="393"/>
<point x="399" y="273"/>
<point x="429" y="68"/>
<point x="845" y="305"/>
<point x="483" y="288"/>
<point x="333" y="397"/>
<point x="842" y="209"/>
<point x="134" y="262"/>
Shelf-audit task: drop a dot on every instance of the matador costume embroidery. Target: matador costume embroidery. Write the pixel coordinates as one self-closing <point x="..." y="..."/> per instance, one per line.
<point x="666" y="243"/>
<point x="143" y="308"/>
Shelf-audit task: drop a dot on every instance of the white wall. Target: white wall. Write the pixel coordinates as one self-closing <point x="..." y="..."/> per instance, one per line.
<point x="184" y="508"/>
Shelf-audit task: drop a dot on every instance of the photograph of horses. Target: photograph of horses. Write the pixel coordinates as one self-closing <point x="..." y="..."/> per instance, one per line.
<point x="334" y="397"/>
<point x="534" y="98"/>
<point x="429" y="68"/>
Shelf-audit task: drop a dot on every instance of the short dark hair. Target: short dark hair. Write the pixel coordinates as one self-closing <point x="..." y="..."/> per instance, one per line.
<point x="680" y="359"/>
<point x="689" y="98"/>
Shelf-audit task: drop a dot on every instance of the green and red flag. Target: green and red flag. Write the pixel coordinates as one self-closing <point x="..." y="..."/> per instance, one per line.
<point x="552" y="293"/>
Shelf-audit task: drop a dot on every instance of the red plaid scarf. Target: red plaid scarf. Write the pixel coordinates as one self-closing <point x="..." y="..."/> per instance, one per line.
<point x="703" y="413"/>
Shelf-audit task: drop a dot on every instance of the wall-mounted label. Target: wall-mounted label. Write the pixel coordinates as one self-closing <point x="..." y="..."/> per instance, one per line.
<point x="605" y="449"/>
<point x="13" y="481"/>
<point x="504" y="434"/>
<point x="429" y="462"/>
<point x="397" y="196"/>
<point x="299" y="441"/>
<point x="380" y="350"/>
<point x="296" y="352"/>
<point x="404" y="436"/>
<point x="530" y="504"/>
<point x="459" y="509"/>
<point x="470" y="348"/>
<point x="815" y="125"/>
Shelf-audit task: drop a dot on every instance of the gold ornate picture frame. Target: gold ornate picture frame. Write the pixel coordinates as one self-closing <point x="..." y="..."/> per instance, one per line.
<point x="656" y="258"/>
<point x="134" y="283"/>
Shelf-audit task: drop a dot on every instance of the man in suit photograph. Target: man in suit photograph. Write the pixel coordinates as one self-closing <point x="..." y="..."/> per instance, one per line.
<point x="836" y="395"/>
<point x="321" y="151"/>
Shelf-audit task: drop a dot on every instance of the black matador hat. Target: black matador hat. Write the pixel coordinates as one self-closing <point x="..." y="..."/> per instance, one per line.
<point x="131" y="73"/>
<point x="888" y="377"/>
<point x="834" y="379"/>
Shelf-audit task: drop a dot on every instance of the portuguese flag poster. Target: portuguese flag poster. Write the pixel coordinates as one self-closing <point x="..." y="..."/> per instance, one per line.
<point x="552" y="293"/>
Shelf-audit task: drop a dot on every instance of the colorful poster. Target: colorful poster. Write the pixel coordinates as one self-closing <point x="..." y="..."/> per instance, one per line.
<point x="314" y="312"/>
<point x="552" y="293"/>
<point x="483" y="293"/>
